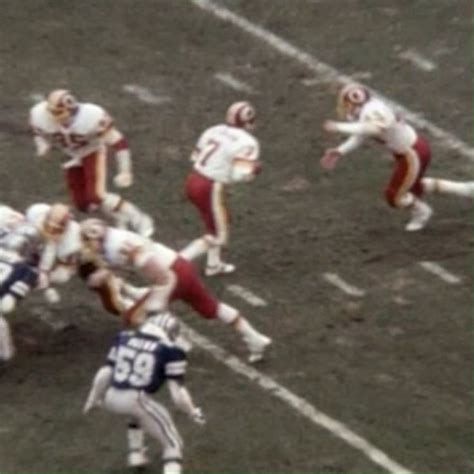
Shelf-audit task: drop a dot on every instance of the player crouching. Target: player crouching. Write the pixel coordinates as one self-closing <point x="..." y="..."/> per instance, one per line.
<point x="138" y="364"/>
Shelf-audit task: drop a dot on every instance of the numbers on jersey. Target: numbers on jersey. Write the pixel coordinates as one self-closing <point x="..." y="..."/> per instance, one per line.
<point x="5" y="271"/>
<point x="134" y="367"/>
<point x="69" y="140"/>
<point x="207" y="151"/>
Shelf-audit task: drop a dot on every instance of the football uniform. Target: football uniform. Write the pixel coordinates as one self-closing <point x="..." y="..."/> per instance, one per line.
<point x="83" y="142"/>
<point x="138" y="365"/>
<point x="213" y="163"/>
<point x="410" y="150"/>
<point x="85" y="139"/>
<point x="171" y="276"/>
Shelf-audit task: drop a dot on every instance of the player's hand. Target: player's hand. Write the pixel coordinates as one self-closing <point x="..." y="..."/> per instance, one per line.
<point x="43" y="281"/>
<point x="123" y="180"/>
<point x="198" y="417"/>
<point x="330" y="158"/>
<point x="330" y="126"/>
<point x="91" y="403"/>
<point x="51" y="295"/>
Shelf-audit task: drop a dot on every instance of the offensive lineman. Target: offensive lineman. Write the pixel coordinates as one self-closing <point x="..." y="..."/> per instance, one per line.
<point x="368" y="116"/>
<point x="171" y="277"/>
<point x="139" y="363"/>
<point x="84" y="132"/>
<point x="225" y="154"/>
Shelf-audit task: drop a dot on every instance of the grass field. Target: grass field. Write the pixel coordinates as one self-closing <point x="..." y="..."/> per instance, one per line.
<point x="389" y="357"/>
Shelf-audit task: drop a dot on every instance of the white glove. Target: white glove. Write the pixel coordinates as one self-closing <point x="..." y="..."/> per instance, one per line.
<point x="198" y="417"/>
<point x="51" y="295"/>
<point x="123" y="179"/>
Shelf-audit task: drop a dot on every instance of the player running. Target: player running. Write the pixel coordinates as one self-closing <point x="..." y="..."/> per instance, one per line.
<point x="369" y="116"/>
<point x="84" y="132"/>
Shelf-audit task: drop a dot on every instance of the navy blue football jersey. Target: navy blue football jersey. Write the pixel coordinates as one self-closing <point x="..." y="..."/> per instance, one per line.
<point x="144" y="362"/>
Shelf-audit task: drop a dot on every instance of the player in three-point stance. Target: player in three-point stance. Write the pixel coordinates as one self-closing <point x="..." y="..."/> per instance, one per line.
<point x="369" y="116"/>
<point x="225" y="154"/>
<point x="84" y="132"/>
<point x="138" y="365"/>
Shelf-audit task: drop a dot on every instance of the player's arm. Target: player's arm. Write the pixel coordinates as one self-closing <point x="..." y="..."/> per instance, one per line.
<point x="246" y="164"/>
<point x="101" y="381"/>
<point x="42" y="144"/>
<point x="114" y="139"/>
<point x="175" y="370"/>
<point x="366" y="128"/>
<point x="100" y="385"/>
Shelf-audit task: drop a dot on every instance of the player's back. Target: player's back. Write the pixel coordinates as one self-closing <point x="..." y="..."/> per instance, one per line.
<point x="218" y="146"/>
<point x="144" y="362"/>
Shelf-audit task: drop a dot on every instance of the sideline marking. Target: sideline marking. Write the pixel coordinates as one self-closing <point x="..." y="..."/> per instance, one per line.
<point x="300" y="405"/>
<point x="145" y="95"/>
<point x="418" y="60"/>
<point x="441" y="272"/>
<point x="336" y="280"/>
<point x="330" y="74"/>
<point x="234" y="83"/>
<point x="246" y="295"/>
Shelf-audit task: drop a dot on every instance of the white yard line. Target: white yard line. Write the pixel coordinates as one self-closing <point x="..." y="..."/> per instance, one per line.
<point x="37" y="97"/>
<point x="440" y="272"/>
<point x="145" y="95"/>
<point x="298" y="404"/>
<point x="230" y="81"/>
<point x="418" y="60"/>
<point x="338" y="282"/>
<point x="328" y="73"/>
<point x="246" y="295"/>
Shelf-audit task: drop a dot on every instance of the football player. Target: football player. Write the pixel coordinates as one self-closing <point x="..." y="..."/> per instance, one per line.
<point x="17" y="278"/>
<point x="171" y="278"/>
<point x="368" y="116"/>
<point x="139" y="363"/>
<point x="62" y="258"/>
<point x="225" y="154"/>
<point x="84" y="132"/>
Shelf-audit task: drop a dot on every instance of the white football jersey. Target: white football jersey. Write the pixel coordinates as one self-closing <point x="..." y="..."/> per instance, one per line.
<point x="122" y="246"/>
<point x="66" y="250"/>
<point x="395" y="133"/>
<point x="81" y="137"/>
<point x="217" y="148"/>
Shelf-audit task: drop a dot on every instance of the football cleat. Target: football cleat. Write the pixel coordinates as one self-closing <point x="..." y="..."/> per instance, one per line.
<point x="421" y="214"/>
<point x="221" y="268"/>
<point x="137" y="459"/>
<point x="257" y="346"/>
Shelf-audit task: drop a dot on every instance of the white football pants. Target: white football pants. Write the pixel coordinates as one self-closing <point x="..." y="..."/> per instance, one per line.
<point x="152" y="417"/>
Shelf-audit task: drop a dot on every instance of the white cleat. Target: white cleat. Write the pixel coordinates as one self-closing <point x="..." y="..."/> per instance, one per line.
<point x="137" y="459"/>
<point x="421" y="214"/>
<point x="221" y="268"/>
<point x="257" y="347"/>
<point x="145" y="226"/>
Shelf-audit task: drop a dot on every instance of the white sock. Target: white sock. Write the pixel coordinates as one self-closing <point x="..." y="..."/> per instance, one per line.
<point x="444" y="186"/>
<point x="135" y="437"/>
<point x="172" y="467"/>
<point x="195" y="249"/>
<point x="214" y="256"/>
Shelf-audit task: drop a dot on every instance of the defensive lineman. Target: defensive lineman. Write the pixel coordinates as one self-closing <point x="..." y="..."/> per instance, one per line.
<point x="368" y="116"/>
<point x="84" y="132"/>
<point x="225" y="154"/>
<point x="138" y="364"/>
